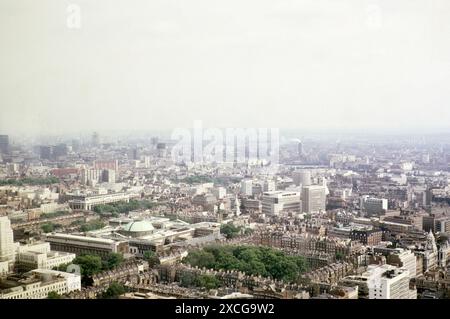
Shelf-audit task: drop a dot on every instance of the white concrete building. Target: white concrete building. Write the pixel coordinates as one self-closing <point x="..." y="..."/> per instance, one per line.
<point x="388" y="282"/>
<point x="313" y="198"/>
<point x="39" y="256"/>
<point x="247" y="187"/>
<point x="7" y="245"/>
<point x="37" y="284"/>
<point x="302" y="177"/>
<point x="275" y="202"/>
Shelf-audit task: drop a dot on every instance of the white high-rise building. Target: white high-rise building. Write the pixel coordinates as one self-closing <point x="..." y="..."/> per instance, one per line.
<point x="388" y="282"/>
<point x="269" y="186"/>
<point x="247" y="187"/>
<point x="313" y="198"/>
<point x="219" y="192"/>
<point x="302" y="177"/>
<point x="7" y="245"/>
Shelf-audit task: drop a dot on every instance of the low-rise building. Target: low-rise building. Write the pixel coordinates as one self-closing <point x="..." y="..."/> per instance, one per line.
<point x="38" y="283"/>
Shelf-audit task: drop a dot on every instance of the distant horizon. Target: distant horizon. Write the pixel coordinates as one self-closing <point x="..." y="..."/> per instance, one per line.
<point x="316" y="65"/>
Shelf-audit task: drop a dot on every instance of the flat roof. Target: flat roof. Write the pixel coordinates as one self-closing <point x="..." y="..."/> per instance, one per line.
<point x="80" y="238"/>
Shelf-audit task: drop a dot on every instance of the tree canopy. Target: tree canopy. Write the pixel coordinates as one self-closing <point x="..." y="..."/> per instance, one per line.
<point x="264" y="261"/>
<point x="48" y="228"/>
<point x="123" y="207"/>
<point x="53" y="295"/>
<point x="30" y="181"/>
<point x="230" y="231"/>
<point x="151" y="258"/>
<point x="114" y="291"/>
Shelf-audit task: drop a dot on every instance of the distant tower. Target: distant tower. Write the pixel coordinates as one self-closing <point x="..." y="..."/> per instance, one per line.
<point x="4" y="144"/>
<point x="338" y="146"/>
<point x="300" y="150"/>
<point x="95" y="139"/>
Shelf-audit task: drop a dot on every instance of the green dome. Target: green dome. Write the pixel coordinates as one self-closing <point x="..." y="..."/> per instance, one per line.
<point x="138" y="226"/>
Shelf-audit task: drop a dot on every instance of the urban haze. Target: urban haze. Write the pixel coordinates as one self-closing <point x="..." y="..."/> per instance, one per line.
<point x="206" y="149"/>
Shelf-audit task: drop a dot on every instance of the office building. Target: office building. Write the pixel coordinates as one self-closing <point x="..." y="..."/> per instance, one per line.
<point x="269" y="186"/>
<point x="7" y="245"/>
<point x="106" y="164"/>
<point x="247" y="187"/>
<point x="275" y="202"/>
<point x="108" y="176"/>
<point x="38" y="283"/>
<point x="302" y="177"/>
<point x="60" y="150"/>
<point x="39" y="256"/>
<point x="86" y="245"/>
<point x="388" y="282"/>
<point x="45" y="152"/>
<point x="313" y="199"/>
<point x="373" y="206"/>
<point x="4" y="144"/>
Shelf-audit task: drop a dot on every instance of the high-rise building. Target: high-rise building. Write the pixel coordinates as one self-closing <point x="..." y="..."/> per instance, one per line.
<point x="45" y="152"/>
<point x="4" y="144"/>
<point x="247" y="187"/>
<point x="109" y="176"/>
<point x="275" y="202"/>
<point x="300" y="150"/>
<point x="90" y="176"/>
<point x="95" y="139"/>
<point x="219" y="192"/>
<point x="60" y="150"/>
<point x="7" y="245"/>
<point x="106" y="164"/>
<point x="161" y="149"/>
<point x="302" y="177"/>
<point x="313" y="198"/>
<point x="269" y="186"/>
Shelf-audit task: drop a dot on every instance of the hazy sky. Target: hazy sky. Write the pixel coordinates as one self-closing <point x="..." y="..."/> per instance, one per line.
<point x="155" y="64"/>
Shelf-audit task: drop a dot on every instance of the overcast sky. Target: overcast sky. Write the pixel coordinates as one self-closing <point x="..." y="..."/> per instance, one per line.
<point x="231" y="63"/>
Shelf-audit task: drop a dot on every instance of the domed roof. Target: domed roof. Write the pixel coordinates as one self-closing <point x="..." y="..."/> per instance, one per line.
<point x="138" y="226"/>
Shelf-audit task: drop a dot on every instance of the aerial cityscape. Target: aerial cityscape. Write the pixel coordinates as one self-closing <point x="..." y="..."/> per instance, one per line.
<point x="365" y="218"/>
<point x="178" y="151"/>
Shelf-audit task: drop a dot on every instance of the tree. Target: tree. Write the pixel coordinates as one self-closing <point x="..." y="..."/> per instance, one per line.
<point x="339" y="256"/>
<point x="114" y="291"/>
<point x="230" y="231"/>
<point x="262" y="261"/>
<point x="248" y="231"/>
<point x="89" y="264"/>
<point x="207" y="281"/>
<point x="114" y="260"/>
<point x="93" y="225"/>
<point x="48" y="228"/>
<point x="315" y="290"/>
<point x="53" y="295"/>
<point x="187" y="280"/>
<point x="151" y="258"/>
